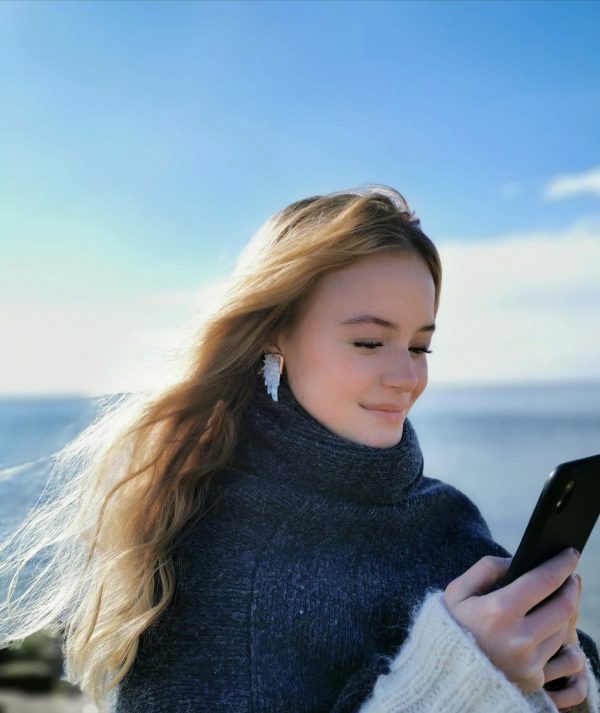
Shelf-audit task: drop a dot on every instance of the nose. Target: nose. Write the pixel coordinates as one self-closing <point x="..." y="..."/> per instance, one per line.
<point x="401" y="373"/>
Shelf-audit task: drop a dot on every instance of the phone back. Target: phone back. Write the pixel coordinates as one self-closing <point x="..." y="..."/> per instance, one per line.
<point x="564" y="516"/>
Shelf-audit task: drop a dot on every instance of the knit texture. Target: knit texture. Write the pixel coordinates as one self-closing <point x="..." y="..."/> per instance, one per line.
<point x="593" y="695"/>
<point x="440" y="669"/>
<point x="298" y="583"/>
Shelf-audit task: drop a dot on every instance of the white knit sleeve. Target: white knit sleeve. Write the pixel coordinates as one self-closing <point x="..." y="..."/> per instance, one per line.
<point x="593" y="695"/>
<point x="440" y="669"/>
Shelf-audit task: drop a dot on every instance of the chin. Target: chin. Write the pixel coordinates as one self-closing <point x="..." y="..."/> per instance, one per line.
<point x="384" y="442"/>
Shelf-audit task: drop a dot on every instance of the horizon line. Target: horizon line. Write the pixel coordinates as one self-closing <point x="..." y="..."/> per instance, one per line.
<point x="591" y="381"/>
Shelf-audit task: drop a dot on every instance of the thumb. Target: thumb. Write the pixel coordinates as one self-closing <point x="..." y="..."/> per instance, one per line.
<point x="477" y="580"/>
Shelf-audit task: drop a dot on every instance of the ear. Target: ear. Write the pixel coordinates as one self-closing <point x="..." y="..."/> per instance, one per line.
<point x="276" y="344"/>
<point x="271" y="348"/>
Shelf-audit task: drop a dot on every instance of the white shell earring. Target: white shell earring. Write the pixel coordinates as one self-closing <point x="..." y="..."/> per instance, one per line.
<point x="273" y="366"/>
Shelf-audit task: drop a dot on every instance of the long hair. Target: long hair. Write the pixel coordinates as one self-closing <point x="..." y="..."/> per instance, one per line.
<point x="100" y="547"/>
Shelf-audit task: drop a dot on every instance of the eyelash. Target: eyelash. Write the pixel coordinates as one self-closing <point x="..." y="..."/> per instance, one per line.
<point x="372" y="345"/>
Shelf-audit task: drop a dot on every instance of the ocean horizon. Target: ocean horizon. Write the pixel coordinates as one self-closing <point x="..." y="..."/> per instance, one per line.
<point x="497" y="443"/>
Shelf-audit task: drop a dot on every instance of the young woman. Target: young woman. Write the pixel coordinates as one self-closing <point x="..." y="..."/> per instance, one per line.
<point x="260" y="535"/>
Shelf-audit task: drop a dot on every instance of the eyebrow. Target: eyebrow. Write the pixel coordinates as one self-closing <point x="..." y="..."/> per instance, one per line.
<point x="380" y="322"/>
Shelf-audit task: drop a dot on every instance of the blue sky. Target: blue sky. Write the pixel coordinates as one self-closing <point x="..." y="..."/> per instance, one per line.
<point x="143" y="143"/>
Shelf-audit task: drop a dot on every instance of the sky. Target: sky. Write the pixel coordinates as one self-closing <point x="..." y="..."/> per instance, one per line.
<point x="143" y="143"/>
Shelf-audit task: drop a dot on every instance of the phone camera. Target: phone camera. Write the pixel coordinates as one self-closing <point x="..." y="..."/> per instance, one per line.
<point x="565" y="496"/>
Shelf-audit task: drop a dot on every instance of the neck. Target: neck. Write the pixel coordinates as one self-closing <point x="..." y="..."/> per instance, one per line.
<point x="282" y="441"/>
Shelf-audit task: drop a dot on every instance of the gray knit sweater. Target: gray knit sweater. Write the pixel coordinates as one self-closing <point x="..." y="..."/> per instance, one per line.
<point x="303" y="578"/>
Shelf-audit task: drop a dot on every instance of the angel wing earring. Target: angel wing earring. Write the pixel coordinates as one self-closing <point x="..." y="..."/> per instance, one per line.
<point x="272" y="368"/>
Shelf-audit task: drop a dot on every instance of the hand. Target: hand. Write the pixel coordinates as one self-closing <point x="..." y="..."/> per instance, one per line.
<point x="518" y="641"/>
<point x="569" y="661"/>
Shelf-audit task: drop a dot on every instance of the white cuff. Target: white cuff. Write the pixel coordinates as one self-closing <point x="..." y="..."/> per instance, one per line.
<point x="593" y="695"/>
<point x="440" y="669"/>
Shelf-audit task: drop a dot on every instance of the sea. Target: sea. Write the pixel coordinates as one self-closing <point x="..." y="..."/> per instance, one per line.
<point x="496" y="443"/>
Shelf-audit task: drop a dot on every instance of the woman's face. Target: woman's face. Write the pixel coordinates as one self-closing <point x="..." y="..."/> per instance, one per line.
<point x="343" y="367"/>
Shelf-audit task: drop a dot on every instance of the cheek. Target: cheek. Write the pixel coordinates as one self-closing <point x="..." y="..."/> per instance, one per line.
<point x="317" y="361"/>
<point x="332" y="368"/>
<point x="348" y="363"/>
<point x="318" y="353"/>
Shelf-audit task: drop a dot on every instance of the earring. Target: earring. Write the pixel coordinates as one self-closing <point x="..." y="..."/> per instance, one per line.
<point x="273" y="366"/>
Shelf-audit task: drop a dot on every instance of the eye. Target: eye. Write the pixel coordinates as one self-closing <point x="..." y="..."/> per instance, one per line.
<point x="421" y="350"/>
<point x="368" y="345"/>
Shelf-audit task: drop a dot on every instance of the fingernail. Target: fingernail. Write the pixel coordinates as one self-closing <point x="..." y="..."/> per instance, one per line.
<point x="576" y="552"/>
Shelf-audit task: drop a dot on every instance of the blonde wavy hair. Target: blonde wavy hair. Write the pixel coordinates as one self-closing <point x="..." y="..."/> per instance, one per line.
<point x="121" y="492"/>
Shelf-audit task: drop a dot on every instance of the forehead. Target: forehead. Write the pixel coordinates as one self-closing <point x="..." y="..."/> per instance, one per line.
<point x="378" y="280"/>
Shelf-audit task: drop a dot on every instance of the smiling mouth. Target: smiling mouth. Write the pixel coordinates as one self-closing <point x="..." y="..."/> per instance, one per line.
<point x="390" y="416"/>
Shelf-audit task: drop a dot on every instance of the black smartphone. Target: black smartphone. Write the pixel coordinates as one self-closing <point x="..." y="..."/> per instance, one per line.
<point x="564" y="516"/>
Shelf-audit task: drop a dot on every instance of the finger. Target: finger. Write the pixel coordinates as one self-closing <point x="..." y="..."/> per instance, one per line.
<point x="573" y="693"/>
<point x="477" y="580"/>
<point x="560" y="610"/>
<point x="569" y="662"/>
<point x="531" y="588"/>
<point x="551" y="648"/>
<point x="572" y="637"/>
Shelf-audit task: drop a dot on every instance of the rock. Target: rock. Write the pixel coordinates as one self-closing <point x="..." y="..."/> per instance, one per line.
<point x="28" y="676"/>
<point x="43" y="646"/>
<point x="35" y="665"/>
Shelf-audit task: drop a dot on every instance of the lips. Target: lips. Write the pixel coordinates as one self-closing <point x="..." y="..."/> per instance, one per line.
<point x="385" y="407"/>
<point x="387" y="413"/>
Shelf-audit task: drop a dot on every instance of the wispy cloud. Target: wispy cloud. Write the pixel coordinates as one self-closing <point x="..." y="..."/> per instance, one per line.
<point x="93" y="347"/>
<point x="574" y="184"/>
<point x="520" y="307"/>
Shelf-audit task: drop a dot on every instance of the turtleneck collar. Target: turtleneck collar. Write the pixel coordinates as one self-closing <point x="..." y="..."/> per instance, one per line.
<point x="280" y="440"/>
